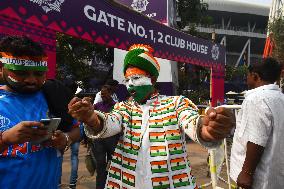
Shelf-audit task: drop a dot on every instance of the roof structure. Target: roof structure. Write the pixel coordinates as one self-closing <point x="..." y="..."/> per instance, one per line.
<point x="238" y="7"/>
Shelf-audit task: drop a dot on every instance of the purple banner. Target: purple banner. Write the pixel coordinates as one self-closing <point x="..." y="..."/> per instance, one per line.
<point x="109" y="23"/>
<point x="151" y="8"/>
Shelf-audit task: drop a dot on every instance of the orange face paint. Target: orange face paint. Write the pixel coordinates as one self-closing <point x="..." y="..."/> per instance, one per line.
<point x="135" y="71"/>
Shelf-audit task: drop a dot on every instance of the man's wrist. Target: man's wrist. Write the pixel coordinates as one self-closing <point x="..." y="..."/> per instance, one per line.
<point x="93" y="121"/>
<point x="248" y="172"/>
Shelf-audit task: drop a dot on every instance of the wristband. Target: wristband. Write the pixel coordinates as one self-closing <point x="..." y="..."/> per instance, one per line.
<point x="68" y="141"/>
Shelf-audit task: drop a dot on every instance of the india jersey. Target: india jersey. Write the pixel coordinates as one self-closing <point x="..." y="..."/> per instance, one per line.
<point x="26" y="165"/>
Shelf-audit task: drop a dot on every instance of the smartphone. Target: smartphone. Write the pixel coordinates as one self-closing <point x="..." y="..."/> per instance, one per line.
<point x="45" y="122"/>
<point x="50" y="125"/>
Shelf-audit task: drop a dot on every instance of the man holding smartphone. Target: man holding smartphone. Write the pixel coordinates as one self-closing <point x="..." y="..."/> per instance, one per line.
<point x="23" y="162"/>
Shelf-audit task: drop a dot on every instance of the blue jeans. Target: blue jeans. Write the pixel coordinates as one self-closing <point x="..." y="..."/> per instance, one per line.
<point x="74" y="162"/>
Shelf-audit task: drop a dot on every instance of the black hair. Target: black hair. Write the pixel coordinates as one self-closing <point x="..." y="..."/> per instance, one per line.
<point x="112" y="82"/>
<point x="268" y="69"/>
<point x="21" y="46"/>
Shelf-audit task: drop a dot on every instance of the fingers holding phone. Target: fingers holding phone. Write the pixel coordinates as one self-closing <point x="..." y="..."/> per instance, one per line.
<point x="25" y="131"/>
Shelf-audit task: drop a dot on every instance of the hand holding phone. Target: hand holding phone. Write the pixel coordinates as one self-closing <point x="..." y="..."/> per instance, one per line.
<point x="51" y="126"/>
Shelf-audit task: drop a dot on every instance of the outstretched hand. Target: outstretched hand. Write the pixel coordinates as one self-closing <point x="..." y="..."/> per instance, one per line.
<point x="81" y="109"/>
<point x="217" y="124"/>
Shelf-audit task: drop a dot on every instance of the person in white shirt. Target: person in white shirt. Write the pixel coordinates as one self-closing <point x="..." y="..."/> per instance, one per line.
<point x="257" y="156"/>
<point x="112" y="85"/>
<point x="151" y="152"/>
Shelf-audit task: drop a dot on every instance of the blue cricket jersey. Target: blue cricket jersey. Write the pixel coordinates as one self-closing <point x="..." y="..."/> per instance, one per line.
<point x="26" y="166"/>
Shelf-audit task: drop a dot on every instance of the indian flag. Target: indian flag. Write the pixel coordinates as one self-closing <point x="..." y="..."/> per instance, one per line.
<point x="128" y="179"/>
<point x="116" y="158"/>
<point x="156" y="124"/>
<point x="112" y="185"/>
<point x="181" y="180"/>
<point x="161" y="183"/>
<point x="129" y="163"/>
<point x="114" y="172"/>
<point x="157" y="136"/>
<point x="158" y="151"/>
<point x="173" y="134"/>
<point x="159" y="166"/>
<point x="130" y="148"/>
<point x="134" y="124"/>
<point x="177" y="164"/>
<point x="175" y="148"/>
<point x="119" y="145"/>
<point x="133" y="136"/>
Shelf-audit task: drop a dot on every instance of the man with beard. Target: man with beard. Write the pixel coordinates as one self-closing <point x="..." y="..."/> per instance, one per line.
<point x="257" y="152"/>
<point x="23" y="162"/>
<point x="151" y="152"/>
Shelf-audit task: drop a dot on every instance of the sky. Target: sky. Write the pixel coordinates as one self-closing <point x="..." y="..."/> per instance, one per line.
<point x="266" y="2"/>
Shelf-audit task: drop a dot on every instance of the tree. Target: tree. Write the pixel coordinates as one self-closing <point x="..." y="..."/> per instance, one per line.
<point x="79" y="58"/>
<point x="193" y="12"/>
<point x="277" y="30"/>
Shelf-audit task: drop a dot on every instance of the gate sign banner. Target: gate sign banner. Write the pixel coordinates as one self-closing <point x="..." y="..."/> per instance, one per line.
<point x="109" y="23"/>
<point x="151" y="8"/>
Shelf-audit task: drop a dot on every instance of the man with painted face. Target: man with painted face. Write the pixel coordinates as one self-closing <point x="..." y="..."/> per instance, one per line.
<point x="23" y="162"/>
<point x="151" y="152"/>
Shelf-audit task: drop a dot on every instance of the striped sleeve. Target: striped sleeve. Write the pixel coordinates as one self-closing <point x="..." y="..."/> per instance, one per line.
<point x="187" y="114"/>
<point x="190" y="122"/>
<point x="112" y="125"/>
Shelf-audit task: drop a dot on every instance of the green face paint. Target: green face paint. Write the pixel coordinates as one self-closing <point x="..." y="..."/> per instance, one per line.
<point x="140" y="93"/>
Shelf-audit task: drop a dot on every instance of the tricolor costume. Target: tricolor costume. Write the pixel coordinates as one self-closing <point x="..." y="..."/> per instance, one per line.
<point x="151" y="152"/>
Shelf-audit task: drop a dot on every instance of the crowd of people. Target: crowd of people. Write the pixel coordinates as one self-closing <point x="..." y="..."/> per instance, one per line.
<point x="141" y="140"/>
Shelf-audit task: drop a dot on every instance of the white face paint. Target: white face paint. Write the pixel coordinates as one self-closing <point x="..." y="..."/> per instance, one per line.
<point x="137" y="80"/>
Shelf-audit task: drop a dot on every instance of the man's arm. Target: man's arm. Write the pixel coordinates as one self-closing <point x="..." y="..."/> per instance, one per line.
<point x="253" y="156"/>
<point x="97" y="124"/>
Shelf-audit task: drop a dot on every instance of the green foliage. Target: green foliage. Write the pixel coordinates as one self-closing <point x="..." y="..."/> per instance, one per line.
<point x="277" y="30"/>
<point x="233" y="72"/>
<point x="193" y="11"/>
<point x="75" y="57"/>
<point x="191" y="83"/>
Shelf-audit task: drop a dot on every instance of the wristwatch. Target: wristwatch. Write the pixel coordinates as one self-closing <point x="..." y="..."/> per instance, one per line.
<point x="68" y="142"/>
